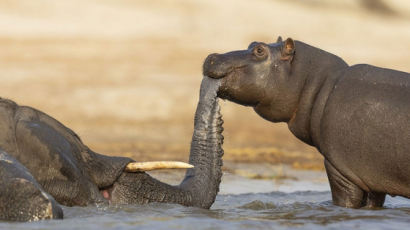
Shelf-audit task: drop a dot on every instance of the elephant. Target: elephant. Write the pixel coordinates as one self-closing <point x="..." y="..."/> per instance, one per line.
<point x="357" y="117"/>
<point x="62" y="170"/>
<point x="17" y="186"/>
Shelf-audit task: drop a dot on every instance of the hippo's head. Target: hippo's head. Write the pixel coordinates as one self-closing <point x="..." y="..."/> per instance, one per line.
<point x="254" y="76"/>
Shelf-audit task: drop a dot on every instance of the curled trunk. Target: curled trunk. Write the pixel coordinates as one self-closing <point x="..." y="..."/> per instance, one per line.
<point x="206" y="147"/>
<point x="201" y="183"/>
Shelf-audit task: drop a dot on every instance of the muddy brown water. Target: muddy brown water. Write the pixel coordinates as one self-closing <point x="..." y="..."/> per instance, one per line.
<point x="302" y="202"/>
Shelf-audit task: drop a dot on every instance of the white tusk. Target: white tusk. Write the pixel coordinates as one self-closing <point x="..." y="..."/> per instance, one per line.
<point x="153" y="165"/>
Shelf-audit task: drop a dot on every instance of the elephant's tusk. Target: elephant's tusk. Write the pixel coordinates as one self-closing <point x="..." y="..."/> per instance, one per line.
<point x="153" y="165"/>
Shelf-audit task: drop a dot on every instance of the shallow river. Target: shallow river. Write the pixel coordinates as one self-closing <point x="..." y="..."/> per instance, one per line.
<point x="302" y="202"/>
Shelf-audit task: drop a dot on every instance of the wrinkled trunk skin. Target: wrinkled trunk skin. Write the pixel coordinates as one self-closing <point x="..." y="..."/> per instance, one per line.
<point x="201" y="184"/>
<point x="206" y="147"/>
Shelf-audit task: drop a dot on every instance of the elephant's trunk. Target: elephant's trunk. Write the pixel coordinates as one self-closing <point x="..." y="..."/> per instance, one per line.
<point x="201" y="183"/>
<point x="206" y="147"/>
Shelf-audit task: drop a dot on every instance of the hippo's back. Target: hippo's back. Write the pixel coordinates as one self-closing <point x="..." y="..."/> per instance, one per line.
<point x="366" y="127"/>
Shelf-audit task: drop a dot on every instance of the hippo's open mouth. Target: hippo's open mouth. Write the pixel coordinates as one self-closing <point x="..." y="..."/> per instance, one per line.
<point x="229" y="73"/>
<point x="220" y="66"/>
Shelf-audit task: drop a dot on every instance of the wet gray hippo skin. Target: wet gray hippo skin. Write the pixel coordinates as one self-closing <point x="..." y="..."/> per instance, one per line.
<point x="72" y="174"/>
<point x="358" y="117"/>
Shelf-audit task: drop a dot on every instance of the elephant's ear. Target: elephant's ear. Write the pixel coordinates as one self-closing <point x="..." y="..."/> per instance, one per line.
<point x="104" y="170"/>
<point x="288" y="50"/>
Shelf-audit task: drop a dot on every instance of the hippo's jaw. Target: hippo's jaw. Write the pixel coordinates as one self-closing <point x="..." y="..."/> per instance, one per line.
<point x="232" y="89"/>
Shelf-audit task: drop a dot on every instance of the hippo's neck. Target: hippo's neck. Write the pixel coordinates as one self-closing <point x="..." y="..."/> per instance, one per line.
<point x="316" y="71"/>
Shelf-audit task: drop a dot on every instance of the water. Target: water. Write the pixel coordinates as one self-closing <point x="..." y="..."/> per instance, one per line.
<point x="304" y="203"/>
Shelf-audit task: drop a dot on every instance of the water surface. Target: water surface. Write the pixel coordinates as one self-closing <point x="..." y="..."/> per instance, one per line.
<point x="303" y="202"/>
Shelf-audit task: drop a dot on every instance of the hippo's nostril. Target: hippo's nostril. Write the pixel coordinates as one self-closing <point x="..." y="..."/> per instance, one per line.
<point x="210" y="60"/>
<point x="210" y="65"/>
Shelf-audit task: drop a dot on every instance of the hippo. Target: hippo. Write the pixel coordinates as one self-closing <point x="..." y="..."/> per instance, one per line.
<point x="357" y="117"/>
<point x="48" y="165"/>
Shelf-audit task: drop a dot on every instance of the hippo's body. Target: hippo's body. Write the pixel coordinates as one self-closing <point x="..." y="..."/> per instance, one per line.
<point x="364" y="131"/>
<point x="358" y="117"/>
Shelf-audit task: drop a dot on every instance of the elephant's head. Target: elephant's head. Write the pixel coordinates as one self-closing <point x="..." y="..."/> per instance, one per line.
<point x="75" y="175"/>
<point x="201" y="183"/>
<point x="256" y="76"/>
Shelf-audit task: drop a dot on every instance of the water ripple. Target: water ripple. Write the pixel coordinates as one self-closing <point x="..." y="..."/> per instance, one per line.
<point x="274" y="210"/>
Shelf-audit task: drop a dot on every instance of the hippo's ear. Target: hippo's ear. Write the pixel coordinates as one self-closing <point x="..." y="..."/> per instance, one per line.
<point x="279" y="39"/>
<point x="288" y="50"/>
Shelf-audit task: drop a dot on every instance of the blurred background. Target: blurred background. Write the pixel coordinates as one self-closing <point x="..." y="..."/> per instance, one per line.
<point x="125" y="74"/>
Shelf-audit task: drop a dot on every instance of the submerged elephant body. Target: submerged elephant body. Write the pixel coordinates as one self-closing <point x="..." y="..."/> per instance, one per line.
<point x="358" y="117"/>
<point x="55" y="156"/>
<point x="62" y="166"/>
<point x="17" y="186"/>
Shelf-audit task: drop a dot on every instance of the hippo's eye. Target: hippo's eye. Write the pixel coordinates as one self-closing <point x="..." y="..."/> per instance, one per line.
<point x="259" y="51"/>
